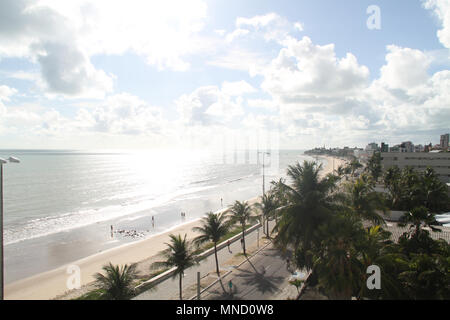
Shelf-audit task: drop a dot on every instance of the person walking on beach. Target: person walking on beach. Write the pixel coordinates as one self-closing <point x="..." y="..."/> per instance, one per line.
<point x="112" y="231"/>
<point x="153" y="221"/>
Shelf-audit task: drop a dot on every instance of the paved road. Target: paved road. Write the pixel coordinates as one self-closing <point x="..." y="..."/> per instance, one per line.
<point x="263" y="277"/>
<point x="168" y="289"/>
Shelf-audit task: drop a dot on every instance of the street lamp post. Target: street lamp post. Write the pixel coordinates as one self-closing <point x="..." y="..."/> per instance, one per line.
<point x="263" y="183"/>
<point x="2" y="278"/>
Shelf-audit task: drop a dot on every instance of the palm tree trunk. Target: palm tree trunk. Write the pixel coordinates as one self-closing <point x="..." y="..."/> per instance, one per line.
<point x="217" y="260"/>
<point x="267" y="228"/>
<point x="181" y="286"/>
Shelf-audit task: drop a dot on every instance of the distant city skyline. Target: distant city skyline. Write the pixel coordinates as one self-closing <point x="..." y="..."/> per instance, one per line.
<point x="174" y="74"/>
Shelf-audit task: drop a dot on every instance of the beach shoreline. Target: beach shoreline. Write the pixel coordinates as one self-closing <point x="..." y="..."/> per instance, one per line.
<point x="53" y="284"/>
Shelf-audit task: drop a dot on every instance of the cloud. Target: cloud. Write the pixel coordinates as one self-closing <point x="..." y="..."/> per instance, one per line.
<point x="298" y="26"/>
<point x="268" y="104"/>
<point x="258" y="21"/>
<point x="237" y="88"/>
<point x="62" y="37"/>
<point x="236" y="33"/>
<point x="272" y="26"/>
<point x="67" y="70"/>
<point x="209" y="105"/>
<point x="121" y="114"/>
<point x="442" y="10"/>
<point x="34" y="31"/>
<point x="241" y="60"/>
<point x="6" y="92"/>
<point x="405" y="68"/>
<point x="307" y="73"/>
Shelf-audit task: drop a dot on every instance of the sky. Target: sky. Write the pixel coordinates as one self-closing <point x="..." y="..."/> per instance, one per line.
<point x="203" y="74"/>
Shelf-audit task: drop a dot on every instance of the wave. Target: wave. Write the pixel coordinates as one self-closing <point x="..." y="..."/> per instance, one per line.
<point x="46" y="226"/>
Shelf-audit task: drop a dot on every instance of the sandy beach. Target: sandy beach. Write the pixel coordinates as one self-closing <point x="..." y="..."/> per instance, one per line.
<point x="331" y="162"/>
<point x="51" y="284"/>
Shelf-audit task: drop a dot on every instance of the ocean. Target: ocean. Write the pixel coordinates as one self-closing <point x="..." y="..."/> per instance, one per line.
<point x="59" y="206"/>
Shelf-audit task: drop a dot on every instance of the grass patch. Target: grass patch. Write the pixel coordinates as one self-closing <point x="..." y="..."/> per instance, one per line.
<point x="229" y="235"/>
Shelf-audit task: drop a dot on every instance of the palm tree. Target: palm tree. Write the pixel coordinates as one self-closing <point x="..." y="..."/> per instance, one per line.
<point x="268" y="205"/>
<point x="310" y="203"/>
<point x="242" y="213"/>
<point x="340" y="171"/>
<point x="364" y="201"/>
<point x="117" y="283"/>
<point x="336" y="262"/>
<point x="435" y="192"/>
<point x="377" y="249"/>
<point x="178" y="255"/>
<point x="213" y="228"/>
<point x="354" y="165"/>
<point x="418" y="217"/>
<point x="374" y="165"/>
<point x="278" y="188"/>
<point x="391" y="180"/>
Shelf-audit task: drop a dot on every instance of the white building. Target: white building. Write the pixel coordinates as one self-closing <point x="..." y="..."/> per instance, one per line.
<point x="439" y="161"/>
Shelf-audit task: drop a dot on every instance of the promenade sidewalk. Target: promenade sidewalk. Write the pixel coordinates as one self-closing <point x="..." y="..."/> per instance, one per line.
<point x="168" y="289"/>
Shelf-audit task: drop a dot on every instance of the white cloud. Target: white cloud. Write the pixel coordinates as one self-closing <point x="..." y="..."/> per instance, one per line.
<point x="271" y="26"/>
<point x="258" y="21"/>
<point x="121" y="114"/>
<point x="209" y="105"/>
<point x="62" y="36"/>
<point x="237" y="88"/>
<point x="6" y="92"/>
<point x="307" y="73"/>
<point x="37" y="32"/>
<point x="442" y="10"/>
<point x="240" y="59"/>
<point x="298" y="26"/>
<point x="405" y="68"/>
<point x="263" y="103"/>
<point x="235" y="34"/>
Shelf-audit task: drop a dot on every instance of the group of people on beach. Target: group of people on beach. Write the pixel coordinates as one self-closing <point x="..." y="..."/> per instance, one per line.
<point x="127" y="233"/>
<point x="135" y="233"/>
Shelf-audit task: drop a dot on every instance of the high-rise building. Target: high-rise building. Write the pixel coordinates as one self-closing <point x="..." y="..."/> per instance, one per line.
<point x="372" y="147"/>
<point x="407" y="146"/>
<point x="444" y="141"/>
<point x="384" y="147"/>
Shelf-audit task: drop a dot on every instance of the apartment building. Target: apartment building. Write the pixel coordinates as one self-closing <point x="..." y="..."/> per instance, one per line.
<point x="439" y="161"/>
